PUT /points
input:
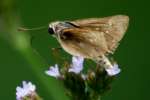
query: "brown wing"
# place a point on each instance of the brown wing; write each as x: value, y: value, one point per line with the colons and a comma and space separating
x: 83, y: 42
x: 113, y: 28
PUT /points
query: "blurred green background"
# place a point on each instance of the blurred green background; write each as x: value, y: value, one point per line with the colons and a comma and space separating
x: 23, y: 59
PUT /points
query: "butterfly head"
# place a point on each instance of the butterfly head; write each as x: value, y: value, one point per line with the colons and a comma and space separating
x: 53, y: 28
x: 56, y: 28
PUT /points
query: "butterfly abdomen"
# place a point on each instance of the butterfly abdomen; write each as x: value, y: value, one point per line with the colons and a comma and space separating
x: 103, y: 61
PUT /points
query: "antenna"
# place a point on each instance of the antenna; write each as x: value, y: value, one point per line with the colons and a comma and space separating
x: 31, y: 29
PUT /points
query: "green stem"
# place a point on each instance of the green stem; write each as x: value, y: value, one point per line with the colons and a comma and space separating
x: 20, y: 41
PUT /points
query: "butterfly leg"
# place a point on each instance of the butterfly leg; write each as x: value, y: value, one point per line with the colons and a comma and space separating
x: 58, y: 48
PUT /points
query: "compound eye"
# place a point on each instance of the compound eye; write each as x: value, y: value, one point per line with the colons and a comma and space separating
x: 50, y: 31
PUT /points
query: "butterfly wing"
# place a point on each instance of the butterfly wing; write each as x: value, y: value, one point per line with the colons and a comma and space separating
x: 83, y: 42
x: 113, y: 28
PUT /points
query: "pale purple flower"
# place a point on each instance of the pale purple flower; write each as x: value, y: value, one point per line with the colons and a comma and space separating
x: 26, y: 90
x: 53, y: 71
x: 113, y: 70
x: 77, y: 64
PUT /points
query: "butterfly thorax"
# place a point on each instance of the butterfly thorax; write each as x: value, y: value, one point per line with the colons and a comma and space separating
x: 59, y: 26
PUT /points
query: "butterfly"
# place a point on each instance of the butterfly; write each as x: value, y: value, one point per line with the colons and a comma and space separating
x: 91, y: 38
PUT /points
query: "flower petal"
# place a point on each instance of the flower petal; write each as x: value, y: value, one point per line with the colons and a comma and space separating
x: 25, y: 90
x: 77, y: 64
x: 114, y: 70
x: 53, y: 71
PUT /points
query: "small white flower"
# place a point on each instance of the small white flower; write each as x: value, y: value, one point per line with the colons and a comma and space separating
x: 113, y: 70
x: 77, y: 64
x: 53, y: 71
x: 26, y: 90
x: 84, y: 77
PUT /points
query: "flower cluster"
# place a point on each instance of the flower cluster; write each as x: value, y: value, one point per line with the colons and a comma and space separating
x: 77, y: 67
x: 85, y: 86
x: 26, y: 92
